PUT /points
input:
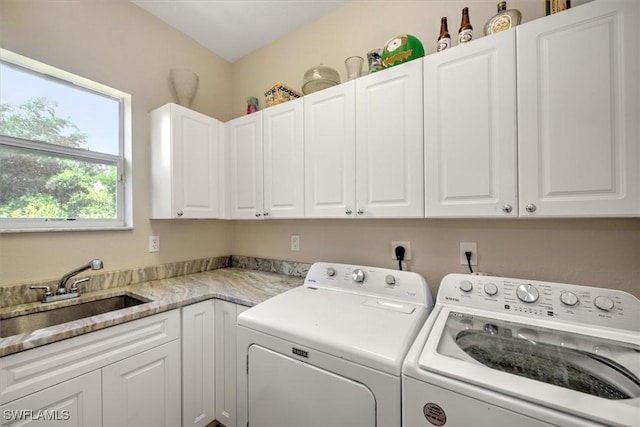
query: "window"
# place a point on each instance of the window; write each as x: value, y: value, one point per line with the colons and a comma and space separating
x: 64, y: 150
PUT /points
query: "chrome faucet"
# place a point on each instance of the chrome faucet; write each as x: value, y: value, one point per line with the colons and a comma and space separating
x: 73, y: 292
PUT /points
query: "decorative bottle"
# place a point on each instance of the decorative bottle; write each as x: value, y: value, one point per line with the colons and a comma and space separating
x: 503, y: 20
x: 444, y: 40
x: 465, y: 33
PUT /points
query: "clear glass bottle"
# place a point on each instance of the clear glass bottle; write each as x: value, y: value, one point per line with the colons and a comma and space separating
x: 444, y: 39
x: 465, y: 33
x: 503, y: 20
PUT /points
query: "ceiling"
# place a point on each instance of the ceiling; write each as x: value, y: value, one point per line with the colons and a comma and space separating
x: 234, y: 28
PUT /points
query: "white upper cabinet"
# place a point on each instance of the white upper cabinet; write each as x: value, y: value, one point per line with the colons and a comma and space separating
x: 244, y: 166
x: 266, y: 163
x: 283, y: 161
x: 389, y: 143
x: 470, y: 129
x: 578, y: 96
x: 185, y: 164
x: 330, y: 152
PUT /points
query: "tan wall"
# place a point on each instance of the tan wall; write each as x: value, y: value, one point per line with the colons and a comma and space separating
x: 354, y: 29
x: 598, y: 252
x: 118, y: 44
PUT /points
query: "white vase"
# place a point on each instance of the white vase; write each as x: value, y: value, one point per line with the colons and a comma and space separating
x: 185, y: 84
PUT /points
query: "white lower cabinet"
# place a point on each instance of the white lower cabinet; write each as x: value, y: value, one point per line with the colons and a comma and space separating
x: 198, y: 359
x: 125, y: 375
x: 76, y: 402
x: 225, y: 336
x: 143, y: 390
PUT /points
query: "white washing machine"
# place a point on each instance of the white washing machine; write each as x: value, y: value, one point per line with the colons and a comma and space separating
x: 512, y: 352
x: 330, y: 352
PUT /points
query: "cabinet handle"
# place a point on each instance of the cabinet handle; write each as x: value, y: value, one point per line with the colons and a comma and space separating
x: 507, y: 208
x: 360, y: 212
x: 531, y: 208
x: 258, y: 214
x: 348, y: 212
x: 180, y: 213
x: 265, y: 214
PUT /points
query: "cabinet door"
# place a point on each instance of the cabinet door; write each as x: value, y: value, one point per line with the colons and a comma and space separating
x: 76, y: 402
x: 330, y: 152
x: 245, y: 166
x: 578, y: 95
x: 144, y: 390
x: 389, y: 143
x: 225, y: 336
x: 470, y: 129
x: 198, y: 364
x: 185, y: 173
x: 283, y: 151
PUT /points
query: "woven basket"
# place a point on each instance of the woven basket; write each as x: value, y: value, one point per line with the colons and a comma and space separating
x: 280, y: 93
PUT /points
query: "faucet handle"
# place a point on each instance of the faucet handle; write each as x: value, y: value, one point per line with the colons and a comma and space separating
x: 74, y: 286
x: 47, y: 290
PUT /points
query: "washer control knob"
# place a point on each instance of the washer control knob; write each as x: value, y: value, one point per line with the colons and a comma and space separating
x: 466, y: 286
x: 604, y: 303
x: 358, y: 275
x: 390, y: 280
x: 331, y: 271
x: 527, y: 293
x: 490, y: 289
x: 569, y: 298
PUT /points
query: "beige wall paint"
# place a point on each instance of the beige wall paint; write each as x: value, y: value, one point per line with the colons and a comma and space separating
x: 596, y: 252
x: 118, y: 44
x: 354, y: 29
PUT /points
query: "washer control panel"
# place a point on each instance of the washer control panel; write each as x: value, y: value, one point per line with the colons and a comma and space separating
x: 381, y: 282
x: 530, y: 298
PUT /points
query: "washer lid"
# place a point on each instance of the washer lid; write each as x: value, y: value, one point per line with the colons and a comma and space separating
x: 371, y: 331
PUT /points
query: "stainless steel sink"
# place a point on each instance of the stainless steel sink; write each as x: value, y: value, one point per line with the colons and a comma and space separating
x: 30, y: 322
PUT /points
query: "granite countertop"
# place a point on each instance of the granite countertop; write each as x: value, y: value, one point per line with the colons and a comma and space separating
x: 242, y: 286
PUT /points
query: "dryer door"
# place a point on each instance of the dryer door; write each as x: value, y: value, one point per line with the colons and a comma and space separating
x: 284, y: 392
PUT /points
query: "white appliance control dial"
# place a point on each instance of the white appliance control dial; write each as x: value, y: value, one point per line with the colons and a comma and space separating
x: 490, y: 289
x: 357, y: 275
x: 466, y: 286
x: 527, y: 293
x: 604, y: 303
x: 390, y: 280
x: 331, y: 271
x: 569, y: 298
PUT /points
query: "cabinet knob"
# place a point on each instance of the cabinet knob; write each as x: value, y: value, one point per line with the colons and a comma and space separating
x: 258, y: 214
x: 265, y: 214
x: 360, y: 212
x: 180, y: 213
x: 531, y: 208
x: 507, y: 208
x: 348, y: 211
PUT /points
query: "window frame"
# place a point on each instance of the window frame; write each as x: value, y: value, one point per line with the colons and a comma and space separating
x: 122, y: 162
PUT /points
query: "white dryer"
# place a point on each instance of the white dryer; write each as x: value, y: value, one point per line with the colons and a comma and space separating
x: 511, y: 352
x: 330, y: 352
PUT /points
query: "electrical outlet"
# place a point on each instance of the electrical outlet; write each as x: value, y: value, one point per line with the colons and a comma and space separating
x: 154, y: 243
x: 295, y: 242
x: 469, y: 247
x: 405, y: 245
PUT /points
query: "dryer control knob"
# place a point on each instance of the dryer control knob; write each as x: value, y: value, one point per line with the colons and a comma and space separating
x: 527, y: 293
x: 466, y: 286
x: 390, y: 280
x: 358, y: 275
x: 569, y: 298
x: 604, y: 303
x: 331, y: 271
x: 490, y: 289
